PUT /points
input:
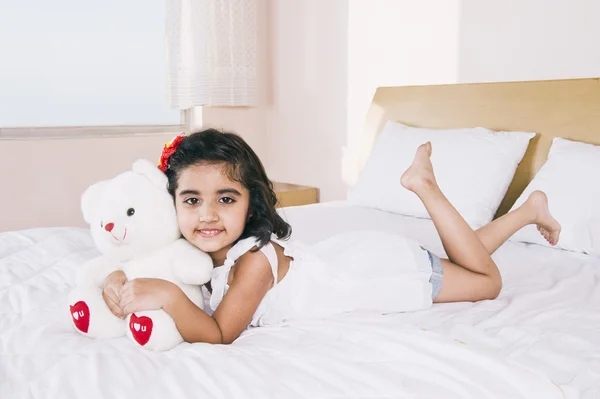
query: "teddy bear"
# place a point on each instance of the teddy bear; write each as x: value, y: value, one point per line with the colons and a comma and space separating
x: 134, y: 226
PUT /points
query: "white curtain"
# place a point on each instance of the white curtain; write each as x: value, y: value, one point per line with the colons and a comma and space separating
x: 211, y: 50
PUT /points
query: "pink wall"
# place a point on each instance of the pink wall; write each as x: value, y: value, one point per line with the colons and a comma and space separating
x: 306, y: 124
x: 42, y: 180
x: 248, y: 122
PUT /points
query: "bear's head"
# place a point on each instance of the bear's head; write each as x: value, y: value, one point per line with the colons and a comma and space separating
x: 131, y: 214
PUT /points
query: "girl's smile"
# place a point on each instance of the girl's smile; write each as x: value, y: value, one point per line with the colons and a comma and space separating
x: 209, y: 233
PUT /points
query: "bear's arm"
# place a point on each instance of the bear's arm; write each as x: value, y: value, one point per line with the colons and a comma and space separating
x: 190, y: 265
x: 94, y: 272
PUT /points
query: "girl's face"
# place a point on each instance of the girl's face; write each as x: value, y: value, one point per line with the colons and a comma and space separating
x: 211, y: 209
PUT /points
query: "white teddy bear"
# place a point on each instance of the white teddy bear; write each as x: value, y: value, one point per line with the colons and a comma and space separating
x: 133, y: 224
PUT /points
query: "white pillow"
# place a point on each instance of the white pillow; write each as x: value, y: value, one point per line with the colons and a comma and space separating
x: 570, y: 180
x: 473, y: 167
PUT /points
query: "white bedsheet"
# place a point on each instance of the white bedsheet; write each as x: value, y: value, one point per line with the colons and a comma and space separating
x: 539, y: 339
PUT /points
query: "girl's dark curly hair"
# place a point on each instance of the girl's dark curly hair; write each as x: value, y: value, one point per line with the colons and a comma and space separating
x: 241, y: 164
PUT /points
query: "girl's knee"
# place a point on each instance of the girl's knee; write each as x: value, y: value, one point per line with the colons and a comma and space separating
x: 494, y: 286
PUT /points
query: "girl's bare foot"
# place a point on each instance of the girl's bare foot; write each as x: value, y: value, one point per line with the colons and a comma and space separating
x: 546, y: 224
x: 419, y: 175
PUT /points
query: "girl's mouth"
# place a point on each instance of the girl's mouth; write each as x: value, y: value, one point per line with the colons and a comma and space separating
x: 209, y: 233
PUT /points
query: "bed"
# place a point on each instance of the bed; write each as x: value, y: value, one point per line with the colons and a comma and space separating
x: 539, y: 339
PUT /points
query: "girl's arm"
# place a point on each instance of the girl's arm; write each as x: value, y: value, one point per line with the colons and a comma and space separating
x: 193, y: 323
x: 251, y: 282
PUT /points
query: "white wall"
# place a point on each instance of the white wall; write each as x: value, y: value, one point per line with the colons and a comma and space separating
x: 395, y: 43
x: 528, y: 40
x: 403, y: 42
x: 328, y: 57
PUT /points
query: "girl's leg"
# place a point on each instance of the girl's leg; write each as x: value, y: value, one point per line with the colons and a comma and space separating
x: 533, y: 211
x: 470, y: 274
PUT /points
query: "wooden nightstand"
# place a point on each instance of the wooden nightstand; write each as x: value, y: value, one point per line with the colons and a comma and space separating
x: 294, y: 194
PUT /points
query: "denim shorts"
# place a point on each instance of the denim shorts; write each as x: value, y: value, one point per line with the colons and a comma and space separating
x: 437, y: 273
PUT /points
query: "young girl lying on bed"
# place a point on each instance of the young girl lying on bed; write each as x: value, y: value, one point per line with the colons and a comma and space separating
x: 226, y: 207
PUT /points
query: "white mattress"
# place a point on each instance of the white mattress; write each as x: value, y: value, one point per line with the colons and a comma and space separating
x: 539, y: 339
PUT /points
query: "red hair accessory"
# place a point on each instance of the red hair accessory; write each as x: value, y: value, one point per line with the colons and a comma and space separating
x: 167, y: 151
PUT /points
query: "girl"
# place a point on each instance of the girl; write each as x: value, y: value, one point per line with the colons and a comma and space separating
x: 226, y: 207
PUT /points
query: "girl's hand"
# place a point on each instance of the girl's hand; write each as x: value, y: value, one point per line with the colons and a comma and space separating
x: 110, y: 292
x: 147, y: 294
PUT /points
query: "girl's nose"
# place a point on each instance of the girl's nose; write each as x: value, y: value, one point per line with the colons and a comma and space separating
x: 208, y: 214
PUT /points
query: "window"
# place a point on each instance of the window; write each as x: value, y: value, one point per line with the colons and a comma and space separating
x: 83, y: 67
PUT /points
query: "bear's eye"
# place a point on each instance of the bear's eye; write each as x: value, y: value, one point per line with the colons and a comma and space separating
x: 130, y: 212
x: 101, y: 225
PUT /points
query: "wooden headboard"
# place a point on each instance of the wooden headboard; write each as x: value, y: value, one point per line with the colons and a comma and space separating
x: 552, y: 108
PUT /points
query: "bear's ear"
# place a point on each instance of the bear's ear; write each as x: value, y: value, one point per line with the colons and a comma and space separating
x: 90, y: 198
x: 152, y: 173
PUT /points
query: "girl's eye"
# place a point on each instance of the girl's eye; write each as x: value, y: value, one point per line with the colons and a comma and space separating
x: 227, y: 200
x: 191, y: 201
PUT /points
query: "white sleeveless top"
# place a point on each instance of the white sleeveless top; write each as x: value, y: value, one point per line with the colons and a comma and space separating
x: 371, y: 271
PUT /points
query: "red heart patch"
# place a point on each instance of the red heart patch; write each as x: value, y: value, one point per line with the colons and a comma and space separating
x: 141, y: 328
x: 80, y: 313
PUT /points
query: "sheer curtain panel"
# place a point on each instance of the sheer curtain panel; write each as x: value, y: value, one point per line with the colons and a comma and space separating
x: 211, y: 47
